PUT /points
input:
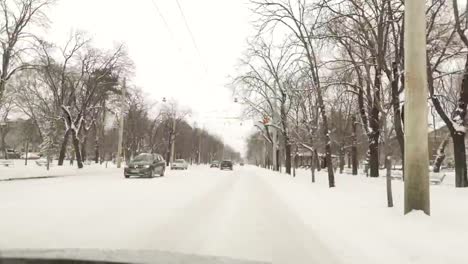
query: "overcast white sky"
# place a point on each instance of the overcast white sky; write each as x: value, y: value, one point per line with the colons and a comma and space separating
x: 167, y: 63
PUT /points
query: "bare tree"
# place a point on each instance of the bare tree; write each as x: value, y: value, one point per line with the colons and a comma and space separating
x: 16, y: 17
x: 78, y: 81
x: 173, y: 116
x: 301, y: 21
x: 7, y: 105
x: 268, y: 81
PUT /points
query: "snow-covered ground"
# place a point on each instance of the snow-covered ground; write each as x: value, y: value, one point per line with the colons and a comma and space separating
x: 353, y: 220
x: 250, y: 213
x: 19, y: 171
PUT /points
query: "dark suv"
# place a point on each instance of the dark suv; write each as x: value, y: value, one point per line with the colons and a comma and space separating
x: 147, y: 165
x: 225, y: 165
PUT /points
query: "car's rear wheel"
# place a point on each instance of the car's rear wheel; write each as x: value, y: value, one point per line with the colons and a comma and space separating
x: 127, y: 176
x: 162, y: 172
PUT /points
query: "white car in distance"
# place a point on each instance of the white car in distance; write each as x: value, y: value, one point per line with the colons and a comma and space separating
x: 179, y: 164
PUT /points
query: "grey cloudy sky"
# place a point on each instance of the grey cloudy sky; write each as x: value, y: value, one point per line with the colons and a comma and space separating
x: 167, y: 62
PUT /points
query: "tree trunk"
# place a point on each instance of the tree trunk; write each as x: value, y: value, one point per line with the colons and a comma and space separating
x: 355, y: 160
x: 354, y: 157
x: 440, y: 154
x: 63, y: 148
x: 317, y: 160
x: 4, y: 131
x: 388, y: 165
x: 168, y: 150
x: 83, y: 148
x: 342, y: 158
x: 4, y: 149
x: 458, y: 117
x: 312, y: 164
x: 96, y: 152
x: 288, y: 156
x: 374, y: 154
x: 76, y: 145
x: 26, y: 153
x: 349, y: 159
x: 96, y: 143
x: 295, y: 163
x: 374, y: 135
x: 331, y: 176
x: 278, y: 160
x: 460, y: 160
x: 397, y: 121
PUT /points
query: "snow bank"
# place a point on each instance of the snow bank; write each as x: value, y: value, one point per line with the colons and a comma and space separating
x: 32, y: 170
x: 353, y: 219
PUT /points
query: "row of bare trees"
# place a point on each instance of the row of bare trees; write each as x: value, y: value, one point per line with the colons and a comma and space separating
x: 320, y: 75
x: 163, y: 128
x: 72, y: 94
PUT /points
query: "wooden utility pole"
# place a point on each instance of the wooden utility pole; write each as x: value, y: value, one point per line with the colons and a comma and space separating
x: 416, y: 145
x: 121, y: 125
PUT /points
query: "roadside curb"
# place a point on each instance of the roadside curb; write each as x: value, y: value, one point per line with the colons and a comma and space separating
x: 32, y: 178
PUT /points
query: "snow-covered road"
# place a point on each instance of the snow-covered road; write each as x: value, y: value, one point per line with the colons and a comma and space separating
x: 201, y: 211
x: 248, y: 214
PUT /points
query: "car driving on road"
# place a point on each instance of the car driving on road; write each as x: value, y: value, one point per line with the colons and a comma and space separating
x: 146, y: 165
x: 226, y: 165
x: 179, y: 164
x: 214, y: 164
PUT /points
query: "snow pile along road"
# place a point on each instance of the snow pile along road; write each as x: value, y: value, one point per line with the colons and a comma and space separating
x: 354, y: 222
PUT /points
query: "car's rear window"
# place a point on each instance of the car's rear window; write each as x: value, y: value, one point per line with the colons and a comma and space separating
x: 226, y: 162
x: 143, y: 157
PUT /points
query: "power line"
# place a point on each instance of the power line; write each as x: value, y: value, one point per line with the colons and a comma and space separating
x: 166, y: 25
x: 190, y: 33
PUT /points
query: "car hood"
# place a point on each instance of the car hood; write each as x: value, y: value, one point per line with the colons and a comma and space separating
x: 112, y: 256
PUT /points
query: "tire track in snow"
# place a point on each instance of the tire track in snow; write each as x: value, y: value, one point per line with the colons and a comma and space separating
x: 185, y: 231
x: 294, y: 242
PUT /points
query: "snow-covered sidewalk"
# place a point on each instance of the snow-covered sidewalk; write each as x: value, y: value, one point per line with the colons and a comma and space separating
x: 19, y: 171
x: 353, y: 220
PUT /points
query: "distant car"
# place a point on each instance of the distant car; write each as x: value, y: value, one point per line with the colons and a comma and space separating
x: 146, y: 165
x: 226, y: 165
x: 179, y: 164
x: 214, y: 164
x: 31, y: 156
x: 242, y: 164
x: 43, y: 162
x: 12, y: 154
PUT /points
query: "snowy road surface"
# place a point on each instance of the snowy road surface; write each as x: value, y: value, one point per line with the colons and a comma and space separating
x: 200, y: 211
